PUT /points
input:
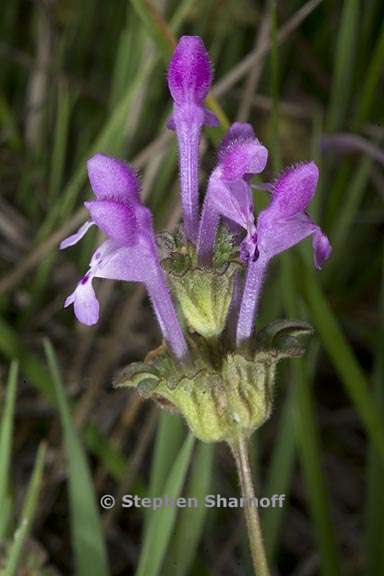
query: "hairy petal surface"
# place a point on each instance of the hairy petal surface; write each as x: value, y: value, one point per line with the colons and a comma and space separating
x: 294, y: 189
x: 112, y: 178
x: 189, y: 72
x: 115, y: 219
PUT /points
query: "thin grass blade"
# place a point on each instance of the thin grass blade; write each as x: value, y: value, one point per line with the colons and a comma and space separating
x: 6, y: 431
x: 27, y: 515
x: 343, y: 71
x: 343, y: 358
x: 162, y: 521
x: 190, y: 524
x: 86, y: 532
x: 374, y: 527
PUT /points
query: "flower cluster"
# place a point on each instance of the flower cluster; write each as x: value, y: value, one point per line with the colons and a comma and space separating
x: 219, y: 263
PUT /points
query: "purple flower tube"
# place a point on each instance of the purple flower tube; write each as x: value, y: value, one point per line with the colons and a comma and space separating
x: 189, y: 80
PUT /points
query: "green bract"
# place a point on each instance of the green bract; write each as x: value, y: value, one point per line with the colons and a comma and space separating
x: 222, y: 393
x: 204, y: 294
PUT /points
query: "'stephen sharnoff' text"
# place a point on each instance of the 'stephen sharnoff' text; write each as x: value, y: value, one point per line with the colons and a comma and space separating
x: 209, y: 501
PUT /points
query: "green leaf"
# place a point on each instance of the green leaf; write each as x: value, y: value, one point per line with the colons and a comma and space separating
x: 162, y: 521
x: 27, y: 515
x: 86, y: 532
x: 6, y: 431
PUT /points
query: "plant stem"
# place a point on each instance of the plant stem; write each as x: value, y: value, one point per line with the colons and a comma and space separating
x: 240, y: 451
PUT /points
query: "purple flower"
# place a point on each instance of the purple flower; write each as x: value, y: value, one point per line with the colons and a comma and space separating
x: 279, y: 227
x: 229, y: 193
x: 129, y: 253
x: 189, y: 81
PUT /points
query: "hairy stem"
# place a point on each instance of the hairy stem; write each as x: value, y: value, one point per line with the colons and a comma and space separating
x: 240, y: 451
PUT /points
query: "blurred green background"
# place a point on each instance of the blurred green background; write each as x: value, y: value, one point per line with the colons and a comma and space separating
x: 81, y: 77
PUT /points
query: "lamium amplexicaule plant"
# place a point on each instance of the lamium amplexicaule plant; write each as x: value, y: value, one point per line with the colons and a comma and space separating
x: 211, y: 367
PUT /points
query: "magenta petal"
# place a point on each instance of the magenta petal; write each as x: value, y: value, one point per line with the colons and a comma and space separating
x: 321, y: 248
x: 74, y: 238
x: 112, y: 178
x: 241, y: 153
x: 140, y: 264
x: 229, y: 193
x: 277, y: 235
x: 115, y: 219
x: 237, y: 131
x: 233, y: 202
x: 244, y: 158
x: 127, y: 263
x: 85, y: 302
x: 103, y: 253
x: 189, y: 72
x: 294, y: 189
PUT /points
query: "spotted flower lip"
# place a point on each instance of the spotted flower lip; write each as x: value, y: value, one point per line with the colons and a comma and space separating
x: 129, y: 253
x: 229, y: 194
x: 189, y: 81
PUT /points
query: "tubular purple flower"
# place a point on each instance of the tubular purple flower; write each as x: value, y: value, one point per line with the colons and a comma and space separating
x: 279, y: 227
x: 130, y: 251
x: 229, y: 194
x: 189, y: 81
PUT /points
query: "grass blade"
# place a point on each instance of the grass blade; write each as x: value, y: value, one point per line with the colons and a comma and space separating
x: 170, y: 435
x: 6, y: 446
x: 190, y: 524
x: 374, y: 550
x: 162, y: 521
x: 307, y: 437
x: 280, y: 473
x: 27, y: 514
x: 308, y: 440
x: 343, y: 358
x: 87, y: 539
x: 12, y: 347
x: 371, y: 80
x: 343, y: 71
x: 301, y: 406
x: 60, y: 144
